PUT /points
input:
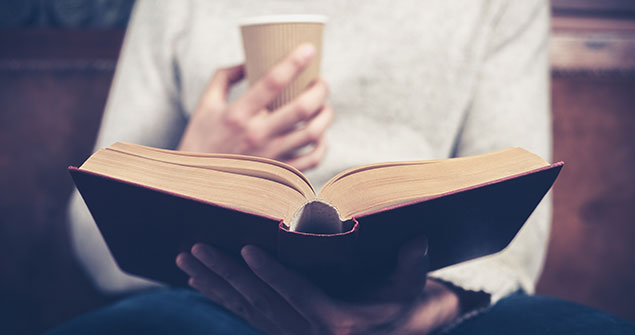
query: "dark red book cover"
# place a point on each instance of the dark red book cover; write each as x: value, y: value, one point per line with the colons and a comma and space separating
x: 145, y: 228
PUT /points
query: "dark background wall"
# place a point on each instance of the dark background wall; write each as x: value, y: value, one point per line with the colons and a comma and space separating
x: 57, y: 59
x: 91, y: 14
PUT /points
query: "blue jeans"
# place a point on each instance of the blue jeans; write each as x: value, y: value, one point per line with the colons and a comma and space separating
x: 182, y: 311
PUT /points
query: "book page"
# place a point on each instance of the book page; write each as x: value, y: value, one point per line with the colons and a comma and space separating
x: 373, y: 187
x: 247, y: 185
x: 239, y: 164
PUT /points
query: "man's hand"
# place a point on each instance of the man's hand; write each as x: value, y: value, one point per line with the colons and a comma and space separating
x: 246, y: 127
x: 275, y: 299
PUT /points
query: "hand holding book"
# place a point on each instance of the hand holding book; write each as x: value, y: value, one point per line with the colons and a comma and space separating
x: 245, y: 126
x: 275, y: 299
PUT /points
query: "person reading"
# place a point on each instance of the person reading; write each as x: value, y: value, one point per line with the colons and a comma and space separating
x: 402, y: 81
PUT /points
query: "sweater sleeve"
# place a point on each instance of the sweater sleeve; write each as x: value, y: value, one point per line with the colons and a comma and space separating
x: 510, y: 108
x: 143, y: 107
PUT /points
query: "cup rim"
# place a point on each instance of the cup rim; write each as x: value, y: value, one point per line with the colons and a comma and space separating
x: 273, y: 19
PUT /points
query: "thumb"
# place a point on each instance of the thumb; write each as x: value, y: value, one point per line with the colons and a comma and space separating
x: 413, y: 253
x: 222, y: 81
x: 412, y: 263
x: 409, y: 277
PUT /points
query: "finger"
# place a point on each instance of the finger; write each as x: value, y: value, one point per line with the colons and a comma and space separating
x: 311, y: 159
x: 270, y: 86
x: 209, y: 283
x: 219, y: 291
x: 410, y: 274
x: 305, y: 298
x: 260, y: 296
x: 413, y: 255
x: 409, y: 277
x: 312, y: 132
x: 303, y: 108
x: 239, y: 277
x: 221, y: 82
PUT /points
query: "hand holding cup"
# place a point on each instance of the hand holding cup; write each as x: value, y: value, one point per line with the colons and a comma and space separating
x: 247, y: 126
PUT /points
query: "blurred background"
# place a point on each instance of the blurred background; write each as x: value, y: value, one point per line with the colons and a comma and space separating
x: 57, y: 59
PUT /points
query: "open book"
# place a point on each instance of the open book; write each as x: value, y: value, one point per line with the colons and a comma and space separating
x: 152, y: 203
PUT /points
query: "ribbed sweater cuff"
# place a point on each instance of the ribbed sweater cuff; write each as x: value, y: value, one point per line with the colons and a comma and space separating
x: 474, y: 281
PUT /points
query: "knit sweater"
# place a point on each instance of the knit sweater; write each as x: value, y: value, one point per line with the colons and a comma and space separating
x: 409, y: 80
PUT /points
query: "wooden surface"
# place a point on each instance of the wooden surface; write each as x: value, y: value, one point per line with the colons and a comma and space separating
x: 591, y: 257
x: 593, y: 45
x: 613, y: 8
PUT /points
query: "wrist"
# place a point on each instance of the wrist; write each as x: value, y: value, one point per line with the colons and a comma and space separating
x: 468, y: 300
x: 437, y: 308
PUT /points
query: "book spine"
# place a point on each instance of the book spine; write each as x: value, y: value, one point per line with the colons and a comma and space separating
x: 327, y: 259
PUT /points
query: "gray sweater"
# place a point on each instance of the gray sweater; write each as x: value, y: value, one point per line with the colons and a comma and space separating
x: 410, y: 80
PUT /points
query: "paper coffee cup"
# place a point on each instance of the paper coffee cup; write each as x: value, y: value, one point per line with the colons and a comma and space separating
x: 269, y: 39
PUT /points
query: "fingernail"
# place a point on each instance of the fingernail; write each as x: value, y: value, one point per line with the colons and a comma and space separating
x: 196, y: 249
x: 252, y: 256
x: 427, y: 247
x: 421, y: 245
x: 307, y: 51
x: 179, y: 259
x: 200, y: 251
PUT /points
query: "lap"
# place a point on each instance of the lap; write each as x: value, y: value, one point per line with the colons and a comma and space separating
x: 183, y: 311
x: 527, y: 314
x: 161, y: 311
